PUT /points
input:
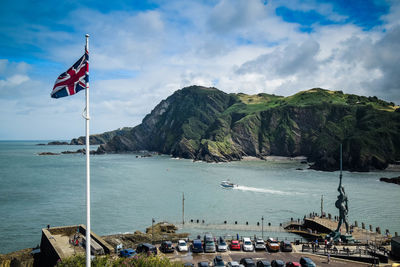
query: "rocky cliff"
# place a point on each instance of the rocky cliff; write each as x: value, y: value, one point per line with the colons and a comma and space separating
x: 207, y: 124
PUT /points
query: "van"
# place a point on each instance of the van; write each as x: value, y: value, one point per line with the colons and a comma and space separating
x: 197, y: 247
x: 209, y: 244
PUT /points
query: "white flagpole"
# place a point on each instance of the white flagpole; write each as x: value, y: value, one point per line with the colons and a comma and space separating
x: 88, y: 258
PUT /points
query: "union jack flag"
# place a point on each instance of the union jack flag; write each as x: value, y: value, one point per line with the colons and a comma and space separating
x: 73, y: 80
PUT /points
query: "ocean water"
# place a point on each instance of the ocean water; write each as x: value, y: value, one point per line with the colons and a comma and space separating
x: 128, y: 191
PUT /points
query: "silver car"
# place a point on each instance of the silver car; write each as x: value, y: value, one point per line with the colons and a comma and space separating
x: 260, y: 244
x: 222, y: 246
x: 233, y: 264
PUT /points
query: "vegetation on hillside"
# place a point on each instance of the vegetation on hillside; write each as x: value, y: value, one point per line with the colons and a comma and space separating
x: 208, y: 124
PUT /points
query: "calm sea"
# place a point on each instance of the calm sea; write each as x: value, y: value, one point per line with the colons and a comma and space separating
x: 127, y: 192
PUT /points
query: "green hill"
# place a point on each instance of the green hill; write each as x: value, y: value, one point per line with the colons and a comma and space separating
x: 207, y: 124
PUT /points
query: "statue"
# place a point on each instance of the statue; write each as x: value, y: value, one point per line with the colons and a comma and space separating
x: 341, y: 204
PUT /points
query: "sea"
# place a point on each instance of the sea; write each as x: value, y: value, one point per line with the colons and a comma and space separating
x: 128, y: 191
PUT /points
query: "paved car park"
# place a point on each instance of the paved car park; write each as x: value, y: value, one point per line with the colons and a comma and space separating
x: 258, y: 255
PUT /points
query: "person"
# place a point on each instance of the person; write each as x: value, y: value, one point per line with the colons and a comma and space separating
x: 329, y: 257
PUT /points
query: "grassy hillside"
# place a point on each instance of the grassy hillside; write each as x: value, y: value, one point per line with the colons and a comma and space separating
x: 208, y: 124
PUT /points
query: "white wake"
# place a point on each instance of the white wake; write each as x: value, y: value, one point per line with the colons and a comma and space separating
x: 260, y: 190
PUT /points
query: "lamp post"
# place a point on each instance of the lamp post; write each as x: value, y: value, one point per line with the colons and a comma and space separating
x: 152, y: 231
x: 262, y: 227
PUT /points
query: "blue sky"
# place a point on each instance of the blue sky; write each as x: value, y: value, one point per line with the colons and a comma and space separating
x: 143, y: 51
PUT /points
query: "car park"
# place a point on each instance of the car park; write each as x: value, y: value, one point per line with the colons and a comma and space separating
x: 277, y: 263
x: 233, y: 264
x: 263, y: 263
x: 222, y: 246
x: 259, y: 244
x: 286, y: 246
x: 209, y: 244
x: 306, y: 262
x: 247, y: 244
x: 235, y: 245
x: 166, y: 247
x: 218, y: 261
x: 293, y: 264
x: 127, y: 253
x: 247, y: 262
x: 203, y: 264
x: 182, y: 246
x: 197, y: 246
x: 146, y: 248
x: 272, y: 245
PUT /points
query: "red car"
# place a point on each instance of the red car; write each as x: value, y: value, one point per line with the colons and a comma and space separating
x: 235, y: 245
x: 293, y: 264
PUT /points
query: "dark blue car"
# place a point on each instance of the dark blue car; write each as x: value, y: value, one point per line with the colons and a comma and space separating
x: 306, y: 262
x: 127, y: 253
x: 197, y: 246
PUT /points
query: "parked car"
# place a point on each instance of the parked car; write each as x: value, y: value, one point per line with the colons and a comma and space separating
x: 188, y: 264
x: 272, y: 245
x: 293, y: 264
x: 146, y: 248
x: 166, y: 247
x: 127, y: 253
x: 259, y: 244
x: 222, y: 246
x: 233, y: 264
x: 197, y: 246
x: 182, y: 246
x: 306, y: 262
x: 277, y: 263
x: 209, y: 244
x: 218, y: 261
x: 247, y: 262
x: 235, y: 245
x: 247, y: 244
x: 286, y: 246
x: 263, y: 263
x: 203, y: 264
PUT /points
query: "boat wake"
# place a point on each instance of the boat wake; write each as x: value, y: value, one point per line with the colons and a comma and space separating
x: 260, y: 190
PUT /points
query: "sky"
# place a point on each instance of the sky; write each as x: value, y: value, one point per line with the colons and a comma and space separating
x: 143, y: 51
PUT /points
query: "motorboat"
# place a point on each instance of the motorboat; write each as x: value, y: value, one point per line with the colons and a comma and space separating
x: 228, y: 184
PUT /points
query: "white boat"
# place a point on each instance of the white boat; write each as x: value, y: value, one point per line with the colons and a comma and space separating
x: 228, y: 184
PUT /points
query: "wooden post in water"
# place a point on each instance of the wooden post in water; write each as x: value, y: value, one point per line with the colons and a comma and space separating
x: 183, y: 208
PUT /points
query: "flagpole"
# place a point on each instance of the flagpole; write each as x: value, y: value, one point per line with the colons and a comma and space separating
x: 88, y: 231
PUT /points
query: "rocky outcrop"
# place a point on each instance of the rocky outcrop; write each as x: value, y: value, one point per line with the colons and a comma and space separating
x: 207, y: 124
x: 98, y: 139
x: 394, y: 180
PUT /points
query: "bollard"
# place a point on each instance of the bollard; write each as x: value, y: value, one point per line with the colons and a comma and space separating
x: 291, y: 219
x: 202, y: 221
x: 370, y: 228
x: 235, y: 222
x: 280, y: 224
x: 258, y: 223
x: 191, y: 220
x: 247, y: 223
x: 329, y: 216
x: 378, y: 230
x: 356, y: 224
x: 363, y: 226
x: 269, y: 224
x: 197, y: 220
x: 395, y: 234
x: 224, y: 222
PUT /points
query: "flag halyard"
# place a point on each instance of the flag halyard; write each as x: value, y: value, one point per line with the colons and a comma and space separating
x: 74, y: 79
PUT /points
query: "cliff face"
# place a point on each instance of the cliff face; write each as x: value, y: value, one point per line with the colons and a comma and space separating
x: 207, y: 124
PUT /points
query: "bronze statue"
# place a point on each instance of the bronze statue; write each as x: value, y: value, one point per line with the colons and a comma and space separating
x: 341, y: 202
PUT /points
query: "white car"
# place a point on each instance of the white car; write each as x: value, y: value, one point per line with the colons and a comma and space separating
x: 260, y: 244
x: 182, y: 246
x: 247, y: 244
